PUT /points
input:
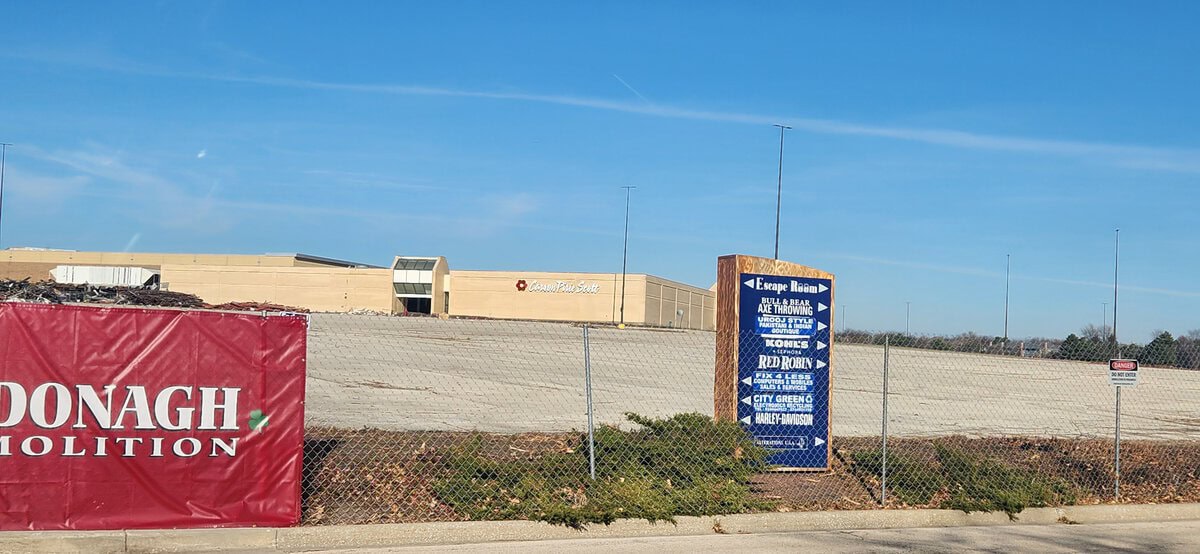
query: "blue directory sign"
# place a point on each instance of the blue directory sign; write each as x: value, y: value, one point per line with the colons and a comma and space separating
x: 783, y: 366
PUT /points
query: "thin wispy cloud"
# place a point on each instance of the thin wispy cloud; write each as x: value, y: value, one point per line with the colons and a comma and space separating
x: 1116, y: 155
x: 1123, y: 288
x: 233, y: 53
x: 154, y: 196
x: 33, y: 187
x: 336, y: 178
x: 978, y: 272
x: 201, y: 154
x: 917, y: 265
x: 169, y: 201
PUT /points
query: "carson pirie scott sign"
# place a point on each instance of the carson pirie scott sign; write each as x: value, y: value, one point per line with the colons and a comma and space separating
x: 775, y: 336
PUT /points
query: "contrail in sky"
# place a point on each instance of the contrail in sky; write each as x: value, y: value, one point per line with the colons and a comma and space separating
x: 1181, y: 160
x: 631, y: 89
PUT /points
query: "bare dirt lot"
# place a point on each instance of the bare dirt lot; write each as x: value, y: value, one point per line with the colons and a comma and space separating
x: 427, y: 374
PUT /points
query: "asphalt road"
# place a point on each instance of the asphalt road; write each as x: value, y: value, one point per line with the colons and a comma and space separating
x: 1179, y: 536
x: 507, y: 376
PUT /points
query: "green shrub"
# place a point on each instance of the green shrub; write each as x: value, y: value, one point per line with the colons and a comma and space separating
x: 985, y: 485
x: 687, y: 464
x: 969, y: 482
x: 911, y: 480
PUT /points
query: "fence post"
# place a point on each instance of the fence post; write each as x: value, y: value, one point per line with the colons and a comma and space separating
x: 587, y: 376
x: 1117, y: 426
x: 1117, y: 440
x: 883, y: 471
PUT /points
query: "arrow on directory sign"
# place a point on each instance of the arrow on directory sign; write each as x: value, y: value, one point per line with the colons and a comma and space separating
x: 821, y: 345
x: 746, y: 401
x: 821, y: 326
x: 821, y: 307
x: 821, y: 365
x: 746, y: 420
x: 818, y: 441
x: 748, y: 380
x: 821, y: 288
x: 749, y: 283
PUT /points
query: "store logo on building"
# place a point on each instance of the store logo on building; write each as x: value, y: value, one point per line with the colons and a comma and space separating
x: 560, y: 286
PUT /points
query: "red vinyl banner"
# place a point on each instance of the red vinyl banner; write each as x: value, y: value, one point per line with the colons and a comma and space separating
x: 130, y: 418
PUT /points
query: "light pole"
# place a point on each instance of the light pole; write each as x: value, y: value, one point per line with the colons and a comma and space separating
x: 907, y: 311
x: 1007, y: 273
x: 1117, y: 354
x: 3, y: 158
x: 779, y: 190
x: 1116, y: 265
x: 625, y: 251
x: 843, y: 318
x: 1104, y: 320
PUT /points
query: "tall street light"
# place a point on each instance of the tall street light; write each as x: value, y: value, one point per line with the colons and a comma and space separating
x: 1116, y: 265
x: 907, y: 310
x: 1104, y: 320
x: 779, y: 191
x: 3, y: 158
x: 1007, y: 272
x: 625, y: 251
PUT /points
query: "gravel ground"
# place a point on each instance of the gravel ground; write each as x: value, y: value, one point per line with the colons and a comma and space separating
x: 504, y: 376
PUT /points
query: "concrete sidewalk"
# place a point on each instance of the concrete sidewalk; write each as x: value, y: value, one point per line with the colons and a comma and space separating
x: 452, y: 533
x: 1176, y: 536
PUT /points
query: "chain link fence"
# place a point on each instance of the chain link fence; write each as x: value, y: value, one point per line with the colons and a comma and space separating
x: 423, y: 419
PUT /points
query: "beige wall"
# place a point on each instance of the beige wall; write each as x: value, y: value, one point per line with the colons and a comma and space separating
x: 321, y: 289
x: 441, y: 276
x: 33, y: 271
x: 219, y: 278
x: 495, y: 294
x: 649, y: 300
x: 665, y: 300
x: 68, y: 257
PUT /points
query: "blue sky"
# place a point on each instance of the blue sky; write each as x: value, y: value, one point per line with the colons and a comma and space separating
x: 930, y: 140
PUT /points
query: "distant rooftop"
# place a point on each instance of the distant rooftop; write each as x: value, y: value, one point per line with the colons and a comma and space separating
x: 298, y: 256
x: 323, y: 260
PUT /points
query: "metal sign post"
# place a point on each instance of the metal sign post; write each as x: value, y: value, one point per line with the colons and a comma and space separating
x: 1121, y: 373
x: 587, y: 376
x: 883, y: 469
x: 1117, y: 439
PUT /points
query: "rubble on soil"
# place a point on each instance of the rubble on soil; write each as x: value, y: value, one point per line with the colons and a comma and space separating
x: 50, y: 292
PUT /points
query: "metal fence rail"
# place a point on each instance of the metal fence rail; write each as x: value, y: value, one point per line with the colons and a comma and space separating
x: 423, y: 419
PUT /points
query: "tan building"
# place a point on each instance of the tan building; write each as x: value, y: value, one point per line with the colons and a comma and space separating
x: 648, y: 300
x: 410, y: 285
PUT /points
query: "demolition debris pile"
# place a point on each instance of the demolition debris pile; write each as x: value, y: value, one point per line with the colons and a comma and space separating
x: 49, y: 292
x: 255, y: 307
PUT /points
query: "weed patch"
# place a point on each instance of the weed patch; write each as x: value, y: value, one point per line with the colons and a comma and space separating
x: 683, y: 465
x: 911, y: 480
x: 980, y: 484
x: 963, y: 481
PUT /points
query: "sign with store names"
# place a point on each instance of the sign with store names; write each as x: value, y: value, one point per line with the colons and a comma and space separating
x: 783, y: 366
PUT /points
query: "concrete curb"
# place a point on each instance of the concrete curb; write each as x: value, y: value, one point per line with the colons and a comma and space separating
x: 426, y: 534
